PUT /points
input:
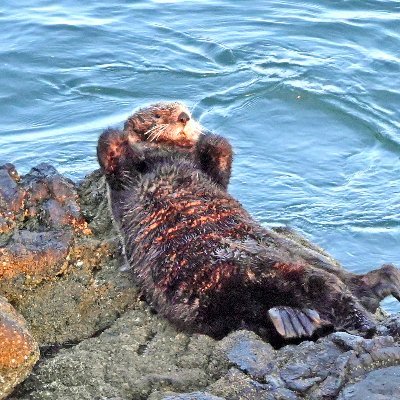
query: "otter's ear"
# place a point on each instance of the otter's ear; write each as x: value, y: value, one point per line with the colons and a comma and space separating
x: 116, y: 153
x: 214, y: 156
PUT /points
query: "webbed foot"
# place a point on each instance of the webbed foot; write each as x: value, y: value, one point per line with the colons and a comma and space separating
x: 374, y: 286
x: 293, y: 323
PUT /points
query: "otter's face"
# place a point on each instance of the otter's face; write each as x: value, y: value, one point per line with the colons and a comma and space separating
x: 169, y: 123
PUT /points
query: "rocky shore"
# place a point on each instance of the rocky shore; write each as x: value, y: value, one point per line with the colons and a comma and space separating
x: 60, y: 271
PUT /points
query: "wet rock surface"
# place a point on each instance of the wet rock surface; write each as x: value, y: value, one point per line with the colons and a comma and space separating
x: 60, y: 275
x: 139, y: 355
x: 18, y: 349
x: 60, y: 262
x: 309, y: 370
x: 142, y: 356
x: 380, y: 385
x: 193, y: 396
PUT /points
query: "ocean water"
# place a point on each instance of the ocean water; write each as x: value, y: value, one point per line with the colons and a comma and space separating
x: 308, y: 93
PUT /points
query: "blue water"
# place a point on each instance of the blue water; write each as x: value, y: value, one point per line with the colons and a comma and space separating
x: 307, y: 92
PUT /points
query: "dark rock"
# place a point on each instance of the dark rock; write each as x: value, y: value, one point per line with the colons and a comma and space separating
x: 43, y: 171
x: 246, y: 351
x: 62, y: 189
x: 51, y: 198
x: 316, y: 370
x: 11, y: 195
x: 38, y: 254
x: 347, y: 341
x: 391, y: 325
x: 368, y: 354
x: 73, y: 210
x: 82, y: 280
x: 18, y: 350
x: 382, y: 384
x: 299, y: 377
x: 6, y: 225
x: 38, y: 191
x: 10, y: 168
x: 140, y: 354
x: 54, y: 213
x: 93, y: 200
x: 48, y: 252
x: 236, y: 385
x: 193, y: 396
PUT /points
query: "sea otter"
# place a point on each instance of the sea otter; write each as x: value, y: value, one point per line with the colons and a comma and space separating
x: 203, y: 262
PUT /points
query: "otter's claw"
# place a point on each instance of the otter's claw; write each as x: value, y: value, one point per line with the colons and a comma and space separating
x: 293, y: 323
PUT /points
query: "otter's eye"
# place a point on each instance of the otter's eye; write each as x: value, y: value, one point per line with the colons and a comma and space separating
x: 157, y: 116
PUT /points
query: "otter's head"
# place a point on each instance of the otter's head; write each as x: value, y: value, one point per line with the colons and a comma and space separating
x: 169, y: 123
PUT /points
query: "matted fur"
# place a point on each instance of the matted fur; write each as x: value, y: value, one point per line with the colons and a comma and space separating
x: 203, y: 262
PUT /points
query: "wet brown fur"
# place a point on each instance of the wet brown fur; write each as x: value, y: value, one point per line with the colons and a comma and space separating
x: 203, y: 262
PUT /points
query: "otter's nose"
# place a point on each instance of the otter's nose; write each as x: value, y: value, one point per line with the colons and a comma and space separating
x: 183, y: 117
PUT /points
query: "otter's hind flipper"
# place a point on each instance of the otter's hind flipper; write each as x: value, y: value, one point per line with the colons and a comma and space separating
x: 293, y: 323
x: 117, y: 155
x: 372, y: 287
x: 214, y: 155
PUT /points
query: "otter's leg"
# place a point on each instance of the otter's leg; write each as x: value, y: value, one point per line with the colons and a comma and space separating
x: 293, y: 323
x: 373, y: 287
x: 214, y: 156
x: 303, y: 286
x: 334, y: 301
